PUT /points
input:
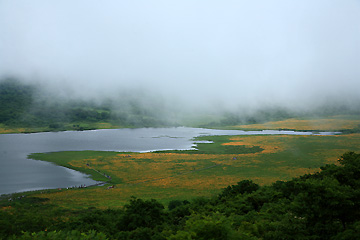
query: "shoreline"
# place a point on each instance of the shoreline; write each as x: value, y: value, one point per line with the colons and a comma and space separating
x: 263, y: 132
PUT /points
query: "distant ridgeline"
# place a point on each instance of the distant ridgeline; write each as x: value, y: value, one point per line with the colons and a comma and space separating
x: 24, y: 105
x: 27, y: 105
x: 277, y: 113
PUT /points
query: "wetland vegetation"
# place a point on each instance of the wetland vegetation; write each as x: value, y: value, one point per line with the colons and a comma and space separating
x: 154, y: 74
x: 293, y: 209
x: 232, y: 187
x: 169, y: 175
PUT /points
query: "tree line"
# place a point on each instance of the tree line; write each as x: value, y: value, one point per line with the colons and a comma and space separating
x: 29, y: 106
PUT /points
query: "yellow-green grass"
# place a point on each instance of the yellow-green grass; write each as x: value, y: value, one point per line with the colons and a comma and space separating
x: 166, y: 176
x: 334, y: 123
x: 5, y: 129
x: 97, y: 125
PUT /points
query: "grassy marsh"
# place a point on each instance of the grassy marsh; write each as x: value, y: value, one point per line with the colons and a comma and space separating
x: 333, y: 123
x: 169, y: 175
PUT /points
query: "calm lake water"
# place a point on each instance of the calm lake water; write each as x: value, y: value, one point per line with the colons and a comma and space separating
x: 18, y: 174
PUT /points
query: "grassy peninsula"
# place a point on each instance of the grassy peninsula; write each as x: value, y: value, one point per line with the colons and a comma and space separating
x: 237, y: 187
x: 169, y: 175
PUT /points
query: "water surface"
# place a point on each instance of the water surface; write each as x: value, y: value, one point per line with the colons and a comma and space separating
x: 18, y: 174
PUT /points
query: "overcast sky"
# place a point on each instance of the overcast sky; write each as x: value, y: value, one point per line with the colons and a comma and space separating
x: 234, y: 52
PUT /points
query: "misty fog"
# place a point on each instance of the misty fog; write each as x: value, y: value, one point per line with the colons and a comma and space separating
x: 205, y: 54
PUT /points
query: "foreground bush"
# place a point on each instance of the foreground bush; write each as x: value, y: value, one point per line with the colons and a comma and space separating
x: 324, y: 205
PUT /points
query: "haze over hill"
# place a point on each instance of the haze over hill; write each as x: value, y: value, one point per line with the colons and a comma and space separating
x: 223, y: 56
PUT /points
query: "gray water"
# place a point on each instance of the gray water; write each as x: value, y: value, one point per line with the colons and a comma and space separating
x: 19, y: 174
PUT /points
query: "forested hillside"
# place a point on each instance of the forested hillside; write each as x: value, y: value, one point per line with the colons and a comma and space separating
x: 15, y: 100
x: 324, y: 205
x: 31, y: 108
x: 28, y: 106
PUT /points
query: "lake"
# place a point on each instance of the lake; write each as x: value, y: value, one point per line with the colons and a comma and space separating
x: 19, y: 174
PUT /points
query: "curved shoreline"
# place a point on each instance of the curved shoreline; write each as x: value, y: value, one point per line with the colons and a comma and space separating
x: 197, y: 132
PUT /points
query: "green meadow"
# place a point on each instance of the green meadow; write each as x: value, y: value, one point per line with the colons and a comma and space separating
x: 169, y: 175
x: 236, y: 187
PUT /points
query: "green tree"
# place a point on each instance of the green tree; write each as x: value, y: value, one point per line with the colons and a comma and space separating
x: 60, y: 235
x: 323, y: 205
x: 245, y: 186
x: 140, y: 213
x: 209, y: 227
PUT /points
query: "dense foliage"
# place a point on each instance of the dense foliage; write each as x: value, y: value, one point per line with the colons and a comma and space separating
x: 15, y: 99
x: 29, y: 106
x: 324, y: 205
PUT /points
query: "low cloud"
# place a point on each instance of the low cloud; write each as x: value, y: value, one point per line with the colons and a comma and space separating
x: 193, y: 54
